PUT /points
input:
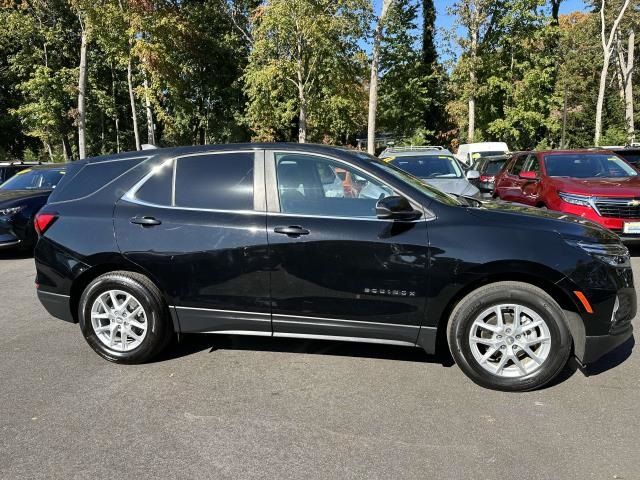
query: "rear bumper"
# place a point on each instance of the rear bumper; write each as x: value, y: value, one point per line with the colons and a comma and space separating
x: 57, y: 305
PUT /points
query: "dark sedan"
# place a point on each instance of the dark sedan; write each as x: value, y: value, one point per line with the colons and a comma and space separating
x: 20, y: 199
x: 488, y: 167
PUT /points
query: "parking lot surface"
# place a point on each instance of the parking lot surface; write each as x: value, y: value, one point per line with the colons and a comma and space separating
x: 239, y: 407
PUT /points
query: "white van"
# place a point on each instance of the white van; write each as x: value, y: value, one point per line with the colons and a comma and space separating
x: 469, y: 152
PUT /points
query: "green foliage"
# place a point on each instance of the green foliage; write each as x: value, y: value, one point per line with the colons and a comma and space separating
x: 306, y: 54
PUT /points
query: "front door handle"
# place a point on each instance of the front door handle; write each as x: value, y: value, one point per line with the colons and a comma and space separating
x: 292, y: 231
x: 145, y: 221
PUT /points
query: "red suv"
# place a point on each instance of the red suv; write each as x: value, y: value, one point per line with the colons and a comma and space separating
x: 594, y: 184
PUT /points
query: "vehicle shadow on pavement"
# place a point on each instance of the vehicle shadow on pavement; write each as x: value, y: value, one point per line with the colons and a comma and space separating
x: 634, y: 250
x: 15, y: 254
x: 190, y: 344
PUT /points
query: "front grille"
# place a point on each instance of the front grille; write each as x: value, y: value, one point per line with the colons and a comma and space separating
x: 618, y: 207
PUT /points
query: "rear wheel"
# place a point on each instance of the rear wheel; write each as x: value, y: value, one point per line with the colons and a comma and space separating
x: 123, y: 317
x: 509, y: 336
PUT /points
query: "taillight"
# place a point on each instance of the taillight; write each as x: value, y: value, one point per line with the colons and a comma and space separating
x: 487, y: 178
x: 43, y: 221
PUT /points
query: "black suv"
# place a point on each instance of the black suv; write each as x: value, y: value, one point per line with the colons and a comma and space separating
x: 266, y: 239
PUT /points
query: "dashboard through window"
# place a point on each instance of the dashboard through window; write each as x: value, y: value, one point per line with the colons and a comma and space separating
x: 314, y: 185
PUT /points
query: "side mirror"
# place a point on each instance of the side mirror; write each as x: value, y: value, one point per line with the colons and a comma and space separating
x: 473, y: 175
x: 396, y: 208
x: 528, y: 176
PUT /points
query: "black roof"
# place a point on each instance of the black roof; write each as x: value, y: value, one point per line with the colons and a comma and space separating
x: 175, y: 151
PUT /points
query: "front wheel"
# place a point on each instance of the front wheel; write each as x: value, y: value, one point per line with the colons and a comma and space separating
x: 123, y: 317
x: 509, y: 336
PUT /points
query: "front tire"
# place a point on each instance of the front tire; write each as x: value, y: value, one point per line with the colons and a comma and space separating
x: 124, y: 318
x: 509, y: 336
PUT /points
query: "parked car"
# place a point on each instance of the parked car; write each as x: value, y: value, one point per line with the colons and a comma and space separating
x: 469, y: 152
x: 435, y: 166
x: 243, y: 239
x: 630, y: 153
x: 593, y: 184
x: 20, y: 199
x: 9, y: 169
x: 488, y: 168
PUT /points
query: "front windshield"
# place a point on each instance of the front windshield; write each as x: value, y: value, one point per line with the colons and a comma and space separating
x: 490, y: 153
x: 428, y: 166
x: 403, y: 176
x: 588, y: 165
x: 632, y: 158
x: 494, y: 167
x: 38, y: 179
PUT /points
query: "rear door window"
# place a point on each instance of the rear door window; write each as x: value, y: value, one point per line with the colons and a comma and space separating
x: 222, y: 181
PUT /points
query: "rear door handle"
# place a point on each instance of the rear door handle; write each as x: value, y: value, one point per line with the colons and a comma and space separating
x: 292, y: 231
x: 145, y: 221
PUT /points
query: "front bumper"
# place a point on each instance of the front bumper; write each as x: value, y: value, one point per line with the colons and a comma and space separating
x: 598, y: 346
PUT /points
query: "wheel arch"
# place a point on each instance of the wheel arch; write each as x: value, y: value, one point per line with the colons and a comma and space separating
x: 87, y: 276
x: 561, y: 296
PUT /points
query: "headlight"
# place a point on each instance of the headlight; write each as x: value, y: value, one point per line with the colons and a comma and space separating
x: 573, y: 199
x: 614, y: 254
x: 7, y: 212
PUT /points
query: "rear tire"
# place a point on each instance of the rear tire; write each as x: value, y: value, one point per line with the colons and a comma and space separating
x: 509, y: 336
x: 123, y: 317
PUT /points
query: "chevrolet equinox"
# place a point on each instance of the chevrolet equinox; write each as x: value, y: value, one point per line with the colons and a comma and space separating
x: 264, y: 239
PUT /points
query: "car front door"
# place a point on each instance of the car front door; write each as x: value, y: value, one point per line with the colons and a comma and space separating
x: 338, y: 270
x: 530, y: 187
x: 197, y: 226
x: 510, y: 188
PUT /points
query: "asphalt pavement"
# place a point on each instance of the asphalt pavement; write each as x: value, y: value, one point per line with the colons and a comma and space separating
x: 226, y: 407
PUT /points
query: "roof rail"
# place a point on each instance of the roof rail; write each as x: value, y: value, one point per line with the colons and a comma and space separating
x: 412, y: 148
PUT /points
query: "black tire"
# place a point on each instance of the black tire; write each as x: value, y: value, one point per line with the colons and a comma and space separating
x: 471, y: 306
x: 159, y: 330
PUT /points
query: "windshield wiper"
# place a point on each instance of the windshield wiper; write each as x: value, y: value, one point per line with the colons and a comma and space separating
x: 469, y: 199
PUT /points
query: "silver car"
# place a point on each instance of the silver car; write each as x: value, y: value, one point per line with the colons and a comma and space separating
x: 435, y: 166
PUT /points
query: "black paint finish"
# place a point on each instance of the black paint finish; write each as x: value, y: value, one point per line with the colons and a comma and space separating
x: 267, y: 272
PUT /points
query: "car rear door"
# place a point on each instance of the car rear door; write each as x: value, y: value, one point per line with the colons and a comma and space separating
x: 197, y: 226
x: 338, y: 270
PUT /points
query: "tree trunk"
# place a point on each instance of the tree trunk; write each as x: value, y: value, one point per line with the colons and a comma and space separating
x: 116, y: 119
x: 600, y: 103
x: 626, y: 73
x: 132, y: 99
x: 66, y: 148
x: 151, y: 136
x: 607, y: 49
x: 472, y: 81
x: 82, y: 86
x: 373, y: 83
x: 302, y: 117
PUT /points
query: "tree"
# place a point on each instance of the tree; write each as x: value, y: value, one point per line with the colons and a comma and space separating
x: 373, y: 82
x: 297, y: 45
x: 607, y: 51
x: 625, y: 63
x: 478, y: 18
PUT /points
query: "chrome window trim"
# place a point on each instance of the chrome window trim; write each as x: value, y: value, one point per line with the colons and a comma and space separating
x: 130, y: 195
x: 428, y: 215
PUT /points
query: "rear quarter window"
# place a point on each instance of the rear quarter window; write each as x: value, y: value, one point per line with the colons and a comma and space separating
x: 84, y: 179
